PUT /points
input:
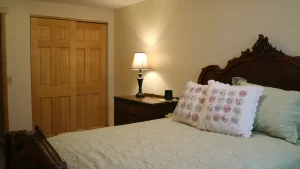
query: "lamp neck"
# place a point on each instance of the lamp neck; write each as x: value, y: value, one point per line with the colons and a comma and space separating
x: 140, y: 82
x: 140, y: 73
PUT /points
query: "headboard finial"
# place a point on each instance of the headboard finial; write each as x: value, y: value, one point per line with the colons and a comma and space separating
x: 262, y: 46
x: 262, y: 49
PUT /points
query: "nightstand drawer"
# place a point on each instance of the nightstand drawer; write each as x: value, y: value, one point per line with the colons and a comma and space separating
x: 134, y: 109
x: 122, y: 118
x: 129, y: 109
x: 134, y: 119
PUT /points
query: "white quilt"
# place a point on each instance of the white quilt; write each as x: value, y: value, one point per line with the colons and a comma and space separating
x: 163, y: 144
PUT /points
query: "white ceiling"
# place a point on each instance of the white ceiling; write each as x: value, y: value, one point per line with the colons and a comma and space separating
x: 97, y: 3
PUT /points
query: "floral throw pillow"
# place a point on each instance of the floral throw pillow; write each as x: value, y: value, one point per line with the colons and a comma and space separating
x: 191, y: 105
x: 231, y: 109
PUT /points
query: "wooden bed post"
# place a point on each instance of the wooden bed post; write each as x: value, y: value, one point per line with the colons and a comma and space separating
x: 31, y: 150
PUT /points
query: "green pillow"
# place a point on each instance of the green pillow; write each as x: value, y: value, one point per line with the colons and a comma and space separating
x: 278, y: 114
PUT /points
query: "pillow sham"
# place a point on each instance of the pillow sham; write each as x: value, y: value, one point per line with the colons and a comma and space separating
x: 191, y: 104
x: 230, y: 109
x: 278, y: 113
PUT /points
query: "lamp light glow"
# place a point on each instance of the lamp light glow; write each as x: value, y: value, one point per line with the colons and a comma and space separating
x: 140, y: 61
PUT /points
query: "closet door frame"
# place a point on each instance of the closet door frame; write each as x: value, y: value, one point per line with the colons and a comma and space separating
x: 69, y: 19
x: 87, y: 21
x: 3, y: 12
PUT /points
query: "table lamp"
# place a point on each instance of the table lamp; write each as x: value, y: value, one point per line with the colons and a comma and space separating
x: 140, y: 63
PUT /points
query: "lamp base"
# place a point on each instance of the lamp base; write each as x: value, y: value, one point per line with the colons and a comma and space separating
x: 140, y: 94
x: 140, y: 82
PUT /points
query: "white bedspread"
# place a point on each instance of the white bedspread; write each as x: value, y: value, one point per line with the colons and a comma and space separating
x: 163, y: 144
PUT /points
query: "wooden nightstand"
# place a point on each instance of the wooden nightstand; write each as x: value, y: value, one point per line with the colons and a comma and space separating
x: 129, y: 109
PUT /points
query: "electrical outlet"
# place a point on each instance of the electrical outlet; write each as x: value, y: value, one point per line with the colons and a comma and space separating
x: 9, y: 79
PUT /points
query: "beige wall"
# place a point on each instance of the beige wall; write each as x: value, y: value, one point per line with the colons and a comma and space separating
x: 18, y: 51
x: 183, y: 36
x: 179, y: 36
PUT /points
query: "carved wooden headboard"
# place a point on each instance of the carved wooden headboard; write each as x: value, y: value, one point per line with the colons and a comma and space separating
x: 264, y: 65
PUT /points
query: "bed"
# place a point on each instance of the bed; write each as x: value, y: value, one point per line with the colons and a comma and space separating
x: 163, y: 144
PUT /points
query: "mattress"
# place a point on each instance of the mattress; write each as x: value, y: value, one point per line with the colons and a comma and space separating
x: 163, y: 144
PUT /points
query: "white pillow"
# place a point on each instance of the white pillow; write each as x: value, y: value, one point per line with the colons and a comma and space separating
x: 191, y: 104
x: 230, y: 109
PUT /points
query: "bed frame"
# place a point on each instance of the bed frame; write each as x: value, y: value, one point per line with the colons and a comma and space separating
x: 264, y: 65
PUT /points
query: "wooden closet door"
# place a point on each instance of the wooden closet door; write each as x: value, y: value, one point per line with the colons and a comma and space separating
x: 68, y: 65
x: 91, y: 60
x: 53, y: 80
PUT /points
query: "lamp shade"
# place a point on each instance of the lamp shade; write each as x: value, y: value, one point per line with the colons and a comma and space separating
x: 140, y: 61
